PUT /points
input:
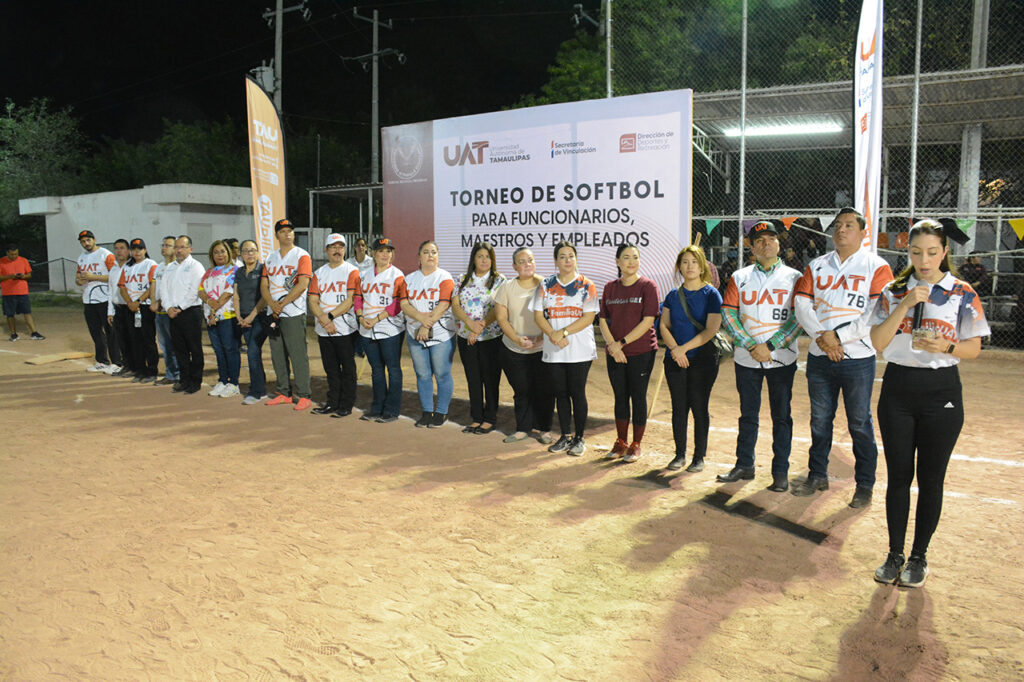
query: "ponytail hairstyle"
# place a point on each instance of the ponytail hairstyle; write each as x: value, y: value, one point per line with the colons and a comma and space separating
x: 925, y: 227
x: 471, y: 269
x: 698, y: 253
x: 618, y: 253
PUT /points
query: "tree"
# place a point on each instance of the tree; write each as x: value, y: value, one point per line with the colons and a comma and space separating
x: 577, y: 74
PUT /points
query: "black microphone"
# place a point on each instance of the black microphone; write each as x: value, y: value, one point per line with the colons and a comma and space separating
x: 918, y: 314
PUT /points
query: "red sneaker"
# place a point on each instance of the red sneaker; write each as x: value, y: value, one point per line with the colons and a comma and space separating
x: 303, y: 404
x: 618, y: 450
x: 279, y: 399
x: 633, y: 453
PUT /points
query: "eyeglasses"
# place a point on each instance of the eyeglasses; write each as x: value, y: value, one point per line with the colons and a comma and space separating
x: 249, y: 251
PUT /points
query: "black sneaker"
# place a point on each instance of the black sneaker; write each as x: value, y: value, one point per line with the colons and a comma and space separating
x: 561, y: 445
x: 341, y: 413
x: 387, y: 418
x: 577, y: 446
x: 425, y: 420
x: 178, y: 387
x: 697, y: 465
x: 438, y: 420
x: 36, y: 336
x: 915, y: 572
x: 324, y: 409
x: 369, y: 416
x: 861, y: 497
x: 13, y: 337
x: 889, y: 572
x: 677, y: 463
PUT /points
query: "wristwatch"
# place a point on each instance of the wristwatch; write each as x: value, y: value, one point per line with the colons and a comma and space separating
x: 771, y: 346
x: 330, y: 316
x: 950, y: 348
x: 565, y: 333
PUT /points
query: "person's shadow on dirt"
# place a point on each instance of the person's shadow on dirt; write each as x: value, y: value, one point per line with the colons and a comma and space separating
x: 752, y: 551
x: 890, y: 644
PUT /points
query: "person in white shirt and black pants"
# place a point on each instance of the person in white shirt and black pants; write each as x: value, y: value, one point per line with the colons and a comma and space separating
x: 186, y: 312
x: 926, y: 322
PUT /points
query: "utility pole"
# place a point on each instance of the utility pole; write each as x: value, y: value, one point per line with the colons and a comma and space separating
x: 374, y: 57
x: 274, y: 18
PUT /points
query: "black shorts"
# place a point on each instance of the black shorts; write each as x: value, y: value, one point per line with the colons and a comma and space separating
x: 17, y: 305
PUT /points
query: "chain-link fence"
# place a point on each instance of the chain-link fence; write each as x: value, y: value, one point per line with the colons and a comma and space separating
x: 799, y: 56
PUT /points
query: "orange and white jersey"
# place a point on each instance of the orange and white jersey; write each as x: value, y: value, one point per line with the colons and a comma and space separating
x: 282, y: 272
x: 217, y: 281
x: 840, y: 296
x: 426, y: 292
x: 97, y: 262
x: 382, y: 291
x: 113, y: 279
x: 136, y: 278
x: 953, y: 312
x: 764, y: 301
x: 334, y: 286
x: 563, y: 304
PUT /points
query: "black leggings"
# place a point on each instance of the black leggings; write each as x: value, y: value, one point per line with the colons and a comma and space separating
x: 629, y: 385
x: 919, y: 409
x: 690, y: 388
x: 569, y: 379
x: 482, y: 363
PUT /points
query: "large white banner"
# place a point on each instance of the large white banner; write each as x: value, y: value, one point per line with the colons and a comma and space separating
x: 596, y: 174
x: 867, y: 116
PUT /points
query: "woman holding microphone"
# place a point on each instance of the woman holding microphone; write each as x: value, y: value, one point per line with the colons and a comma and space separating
x: 926, y: 321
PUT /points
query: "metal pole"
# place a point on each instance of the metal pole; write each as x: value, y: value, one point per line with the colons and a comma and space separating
x: 743, y: 128
x: 995, y: 249
x: 914, y: 113
x: 311, y: 223
x: 608, y: 48
x: 278, y: 39
x: 375, y: 114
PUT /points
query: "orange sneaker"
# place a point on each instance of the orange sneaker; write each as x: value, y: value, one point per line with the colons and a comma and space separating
x: 618, y: 450
x: 633, y: 453
x: 279, y: 399
x: 303, y: 404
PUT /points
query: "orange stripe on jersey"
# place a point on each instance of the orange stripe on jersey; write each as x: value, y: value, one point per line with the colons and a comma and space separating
x: 353, y: 280
x: 732, y: 295
x: 447, y: 287
x: 805, y: 285
x: 883, y: 275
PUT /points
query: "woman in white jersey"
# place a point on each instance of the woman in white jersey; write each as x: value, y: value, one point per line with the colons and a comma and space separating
x: 215, y: 291
x: 382, y: 326
x: 925, y: 323
x: 430, y: 328
x: 564, y: 308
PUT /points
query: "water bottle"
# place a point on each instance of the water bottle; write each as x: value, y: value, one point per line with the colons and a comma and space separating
x: 138, y: 319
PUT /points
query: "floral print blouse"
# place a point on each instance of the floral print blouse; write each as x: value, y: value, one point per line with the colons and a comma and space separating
x: 477, y: 301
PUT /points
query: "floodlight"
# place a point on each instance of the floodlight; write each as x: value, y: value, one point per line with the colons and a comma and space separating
x: 771, y: 130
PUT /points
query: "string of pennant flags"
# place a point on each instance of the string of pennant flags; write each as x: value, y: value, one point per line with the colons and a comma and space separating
x: 964, y: 225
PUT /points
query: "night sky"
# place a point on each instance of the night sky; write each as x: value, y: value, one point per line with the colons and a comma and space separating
x: 124, y: 66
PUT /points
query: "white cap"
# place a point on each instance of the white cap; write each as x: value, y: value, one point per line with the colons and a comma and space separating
x: 334, y: 238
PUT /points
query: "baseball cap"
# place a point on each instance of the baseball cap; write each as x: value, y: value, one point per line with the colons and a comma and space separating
x: 137, y: 243
x: 334, y: 238
x: 382, y: 243
x: 763, y: 227
x: 86, y: 233
x: 282, y: 224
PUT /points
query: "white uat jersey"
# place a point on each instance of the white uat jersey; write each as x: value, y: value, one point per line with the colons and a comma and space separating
x: 764, y: 302
x: 426, y: 292
x: 382, y: 291
x: 840, y: 296
x: 136, y: 278
x: 282, y: 272
x: 334, y: 286
x: 97, y: 262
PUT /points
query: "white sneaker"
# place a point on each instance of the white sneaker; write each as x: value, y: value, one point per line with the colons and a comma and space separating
x: 252, y: 400
x: 111, y: 369
x: 98, y: 367
x: 216, y: 390
x: 230, y: 391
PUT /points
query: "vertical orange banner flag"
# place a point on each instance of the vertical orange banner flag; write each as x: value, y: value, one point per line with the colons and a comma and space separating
x: 266, y: 165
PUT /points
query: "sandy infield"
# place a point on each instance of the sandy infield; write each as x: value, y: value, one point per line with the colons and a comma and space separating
x: 147, y: 535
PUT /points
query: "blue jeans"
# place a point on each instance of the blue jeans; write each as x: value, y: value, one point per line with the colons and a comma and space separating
x: 225, y: 347
x: 254, y: 337
x: 385, y: 356
x: 163, y: 335
x: 855, y: 378
x: 432, y: 362
x: 780, y: 395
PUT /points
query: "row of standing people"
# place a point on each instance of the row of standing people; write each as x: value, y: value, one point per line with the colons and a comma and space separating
x: 540, y: 331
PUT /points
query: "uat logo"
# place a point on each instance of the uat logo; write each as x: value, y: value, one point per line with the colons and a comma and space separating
x: 265, y: 131
x: 461, y: 154
x: 627, y: 143
x: 266, y: 216
x: 865, y: 55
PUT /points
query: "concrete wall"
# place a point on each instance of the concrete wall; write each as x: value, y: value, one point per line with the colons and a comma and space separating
x: 204, y: 212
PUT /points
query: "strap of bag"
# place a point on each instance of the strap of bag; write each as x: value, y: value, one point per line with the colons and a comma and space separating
x: 686, y: 309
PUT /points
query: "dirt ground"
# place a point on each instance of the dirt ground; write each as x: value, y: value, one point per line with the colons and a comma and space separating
x: 146, y: 535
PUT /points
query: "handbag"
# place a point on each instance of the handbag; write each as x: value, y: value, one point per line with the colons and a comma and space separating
x: 721, y: 343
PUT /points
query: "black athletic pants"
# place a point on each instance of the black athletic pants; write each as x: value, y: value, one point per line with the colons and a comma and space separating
x: 102, y: 334
x: 482, y: 363
x: 534, y: 403
x: 123, y: 321
x: 629, y: 385
x: 569, y: 379
x: 920, y: 410
x: 338, y: 355
x: 690, y: 388
x: 187, y: 339
x: 143, y: 341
